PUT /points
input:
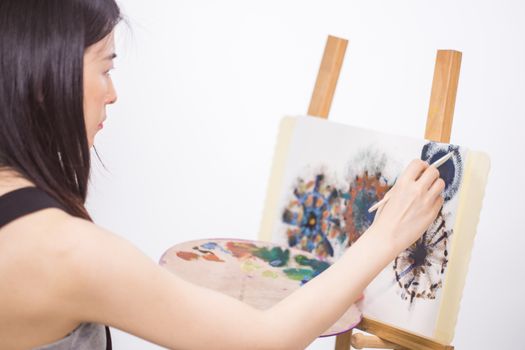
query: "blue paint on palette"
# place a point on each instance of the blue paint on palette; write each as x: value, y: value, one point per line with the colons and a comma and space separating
x: 212, y: 246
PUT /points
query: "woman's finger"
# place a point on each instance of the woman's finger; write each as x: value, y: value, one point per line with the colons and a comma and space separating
x: 437, y: 187
x: 428, y: 177
x: 414, y: 169
x: 436, y: 207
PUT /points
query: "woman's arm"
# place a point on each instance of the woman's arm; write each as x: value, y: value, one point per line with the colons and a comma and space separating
x: 107, y: 280
x: 112, y: 282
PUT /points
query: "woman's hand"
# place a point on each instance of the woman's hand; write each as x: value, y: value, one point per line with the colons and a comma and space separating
x: 413, y: 204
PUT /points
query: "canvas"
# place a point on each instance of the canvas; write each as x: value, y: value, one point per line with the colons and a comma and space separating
x: 327, y: 175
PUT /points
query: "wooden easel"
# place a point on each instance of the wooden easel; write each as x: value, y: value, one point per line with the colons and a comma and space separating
x: 438, y: 128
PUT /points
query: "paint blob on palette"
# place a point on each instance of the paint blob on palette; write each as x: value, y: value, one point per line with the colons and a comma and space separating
x: 327, y: 175
x: 258, y: 273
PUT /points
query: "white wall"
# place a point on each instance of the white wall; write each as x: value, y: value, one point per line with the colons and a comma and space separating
x: 203, y: 84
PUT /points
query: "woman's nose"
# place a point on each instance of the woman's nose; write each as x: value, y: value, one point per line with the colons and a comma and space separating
x: 112, y: 95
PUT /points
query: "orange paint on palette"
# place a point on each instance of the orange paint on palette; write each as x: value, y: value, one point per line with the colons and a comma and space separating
x: 240, y: 249
x: 187, y: 256
x: 212, y: 257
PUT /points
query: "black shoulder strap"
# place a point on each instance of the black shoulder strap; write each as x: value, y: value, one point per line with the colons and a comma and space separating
x: 108, y: 339
x: 23, y: 201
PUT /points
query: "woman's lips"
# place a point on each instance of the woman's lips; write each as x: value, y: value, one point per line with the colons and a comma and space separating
x: 101, y: 125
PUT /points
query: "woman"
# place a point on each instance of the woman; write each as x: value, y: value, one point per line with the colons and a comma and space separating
x: 63, y: 277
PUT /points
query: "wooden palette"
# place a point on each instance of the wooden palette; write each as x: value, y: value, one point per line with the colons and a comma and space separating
x: 255, y: 272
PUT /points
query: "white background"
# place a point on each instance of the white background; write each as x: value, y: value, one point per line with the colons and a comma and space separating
x: 203, y: 84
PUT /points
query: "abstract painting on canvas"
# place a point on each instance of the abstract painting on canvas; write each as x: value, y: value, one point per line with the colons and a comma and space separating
x: 327, y: 175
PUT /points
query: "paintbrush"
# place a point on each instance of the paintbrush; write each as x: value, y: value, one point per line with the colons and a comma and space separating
x: 436, y: 164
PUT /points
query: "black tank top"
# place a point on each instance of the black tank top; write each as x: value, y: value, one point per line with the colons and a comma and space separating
x: 27, y: 200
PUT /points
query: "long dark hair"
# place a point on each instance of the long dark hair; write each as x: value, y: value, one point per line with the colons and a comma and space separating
x: 42, y: 129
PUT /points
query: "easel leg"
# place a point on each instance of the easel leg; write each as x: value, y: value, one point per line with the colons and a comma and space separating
x: 327, y: 77
x: 342, y: 341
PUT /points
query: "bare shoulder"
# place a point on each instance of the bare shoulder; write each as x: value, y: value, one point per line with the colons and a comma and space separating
x: 58, y: 271
x: 56, y: 266
x: 39, y: 250
x: 56, y: 262
x: 45, y: 234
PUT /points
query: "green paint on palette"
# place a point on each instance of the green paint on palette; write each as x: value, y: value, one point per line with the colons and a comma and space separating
x: 318, y: 265
x: 276, y: 256
x: 303, y: 275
